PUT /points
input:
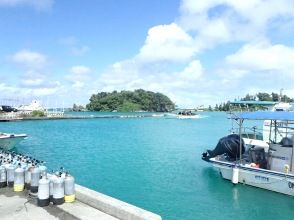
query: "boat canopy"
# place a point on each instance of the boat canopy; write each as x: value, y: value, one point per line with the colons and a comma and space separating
x: 264, y: 115
x: 253, y: 103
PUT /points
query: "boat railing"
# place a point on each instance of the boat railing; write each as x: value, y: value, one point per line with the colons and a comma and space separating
x: 249, y: 132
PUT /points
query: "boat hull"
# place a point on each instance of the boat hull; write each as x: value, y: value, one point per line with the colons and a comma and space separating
x: 177, y: 116
x: 261, y: 178
x: 8, y: 143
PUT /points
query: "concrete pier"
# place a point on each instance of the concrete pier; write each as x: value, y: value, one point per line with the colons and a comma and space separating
x: 63, y: 117
x: 89, y: 205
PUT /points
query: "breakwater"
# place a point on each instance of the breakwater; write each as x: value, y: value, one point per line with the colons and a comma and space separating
x: 5, y: 118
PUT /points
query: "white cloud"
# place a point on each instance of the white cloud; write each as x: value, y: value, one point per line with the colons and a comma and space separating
x: 263, y: 57
x: 32, y: 82
x: 214, y: 22
x: 167, y: 43
x: 80, y: 70
x: 78, y: 76
x: 37, y: 4
x: 78, y: 84
x: 29, y: 59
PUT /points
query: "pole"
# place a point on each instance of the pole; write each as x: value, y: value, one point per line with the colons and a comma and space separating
x: 240, y: 135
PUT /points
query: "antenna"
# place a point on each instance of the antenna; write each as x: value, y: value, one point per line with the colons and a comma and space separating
x: 281, y: 92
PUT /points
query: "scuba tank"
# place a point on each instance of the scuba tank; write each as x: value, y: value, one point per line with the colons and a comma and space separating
x: 51, y: 179
x: 35, y: 177
x: 43, y: 192
x: 28, y: 176
x: 69, y: 188
x: 43, y: 170
x: 58, y: 190
x: 10, y: 174
x: 3, y: 177
x: 18, y: 179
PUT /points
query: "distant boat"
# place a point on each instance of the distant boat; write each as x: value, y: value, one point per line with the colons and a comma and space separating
x: 182, y: 115
x: 33, y: 106
x: 9, y: 141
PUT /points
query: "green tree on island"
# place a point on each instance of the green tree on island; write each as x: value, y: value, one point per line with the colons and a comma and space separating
x: 126, y: 101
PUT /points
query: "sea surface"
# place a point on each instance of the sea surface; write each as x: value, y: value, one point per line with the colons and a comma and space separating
x: 154, y: 163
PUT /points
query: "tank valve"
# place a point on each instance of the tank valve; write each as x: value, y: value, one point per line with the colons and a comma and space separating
x: 286, y: 168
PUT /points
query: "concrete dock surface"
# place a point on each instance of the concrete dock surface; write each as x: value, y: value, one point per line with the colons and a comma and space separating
x: 20, y: 206
x: 89, y: 205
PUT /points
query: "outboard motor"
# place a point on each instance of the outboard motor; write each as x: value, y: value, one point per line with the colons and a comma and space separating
x: 35, y: 177
x: 58, y: 190
x: 43, y: 192
x: 229, y: 145
x: 69, y: 188
x: 3, y: 177
x: 18, y: 179
x: 10, y: 174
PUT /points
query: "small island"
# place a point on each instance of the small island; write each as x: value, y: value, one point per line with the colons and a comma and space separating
x: 130, y: 101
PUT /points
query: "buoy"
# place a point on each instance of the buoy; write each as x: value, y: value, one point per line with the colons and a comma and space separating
x: 69, y: 188
x: 43, y: 192
x: 10, y: 175
x: 35, y: 177
x: 3, y: 177
x: 58, y: 191
x: 18, y: 179
x: 235, y: 175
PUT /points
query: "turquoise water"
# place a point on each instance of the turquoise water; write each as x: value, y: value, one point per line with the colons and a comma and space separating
x: 154, y: 163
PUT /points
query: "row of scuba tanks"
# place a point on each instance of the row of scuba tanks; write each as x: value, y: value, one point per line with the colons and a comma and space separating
x: 23, y: 172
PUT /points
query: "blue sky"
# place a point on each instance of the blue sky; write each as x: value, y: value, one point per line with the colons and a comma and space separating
x: 197, y: 52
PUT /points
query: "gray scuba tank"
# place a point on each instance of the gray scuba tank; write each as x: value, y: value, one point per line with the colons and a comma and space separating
x: 58, y: 191
x: 69, y: 188
x: 28, y: 176
x: 18, y: 179
x: 43, y: 192
x: 35, y: 177
x: 51, y: 179
x: 10, y: 174
x: 3, y: 177
x: 43, y: 170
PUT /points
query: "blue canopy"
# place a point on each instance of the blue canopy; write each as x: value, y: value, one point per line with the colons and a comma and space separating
x: 265, y: 115
x: 264, y: 103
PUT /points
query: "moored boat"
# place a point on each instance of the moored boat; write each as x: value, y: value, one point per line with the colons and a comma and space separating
x: 9, y: 141
x: 267, y: 165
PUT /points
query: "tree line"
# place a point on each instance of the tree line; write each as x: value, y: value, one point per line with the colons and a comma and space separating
x: 127, y: 101
x: 261, y: 96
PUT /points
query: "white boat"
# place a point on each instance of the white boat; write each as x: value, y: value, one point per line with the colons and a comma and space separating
x: 268, y: 167
x: 182, y: 115
x: 9, y: 141
x: 35, y: 105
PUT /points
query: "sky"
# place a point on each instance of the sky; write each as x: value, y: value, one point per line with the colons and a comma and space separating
x: 196, y: 52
